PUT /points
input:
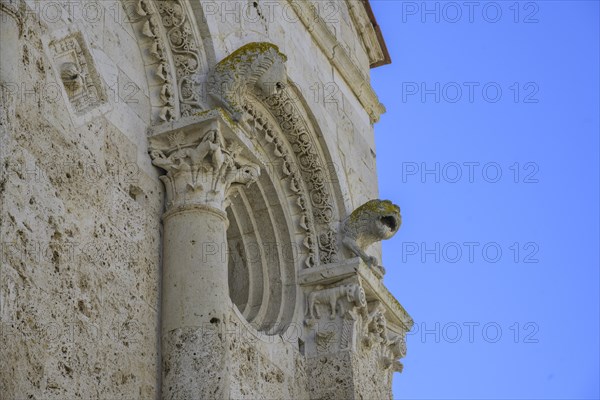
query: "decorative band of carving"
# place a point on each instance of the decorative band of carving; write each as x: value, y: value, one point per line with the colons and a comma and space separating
x: 312, y: 169
x: 294, y: 180
x: 185, y: 51
x: 145, y: 13
x: 179, y: 55
x: 257, y: 72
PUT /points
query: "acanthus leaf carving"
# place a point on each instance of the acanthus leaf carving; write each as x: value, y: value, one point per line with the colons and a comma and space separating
x: 201, y: 170
x: 387, y: 347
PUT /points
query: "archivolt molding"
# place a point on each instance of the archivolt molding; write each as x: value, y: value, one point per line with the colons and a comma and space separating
x: 255, y: 74
x: 175, y: 57
x: 316, y: 203
x: 294, y: 181
x: 185, y: 48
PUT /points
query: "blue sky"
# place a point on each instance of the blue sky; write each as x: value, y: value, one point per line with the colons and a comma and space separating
x: 490, y: 145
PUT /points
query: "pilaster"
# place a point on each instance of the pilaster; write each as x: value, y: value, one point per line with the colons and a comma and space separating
x: 356, y: 332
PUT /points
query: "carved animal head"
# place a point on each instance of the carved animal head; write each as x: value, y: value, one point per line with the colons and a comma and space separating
x: 378, y: 324
x: 69, y: 72
x: 211, y: 136
x: 248, y: 174
x: 374, y: 220
x: 389, y: 218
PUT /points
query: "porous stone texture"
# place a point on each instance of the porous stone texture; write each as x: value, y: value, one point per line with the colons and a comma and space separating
x: 347, y: 375
x: 80, y: 234
x: 331, y: 376
x: 196, y: 363
x: 177, y: 185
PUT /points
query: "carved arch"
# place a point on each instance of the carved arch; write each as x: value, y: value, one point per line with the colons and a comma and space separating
x: 174, y: 55
x: 252, y: 84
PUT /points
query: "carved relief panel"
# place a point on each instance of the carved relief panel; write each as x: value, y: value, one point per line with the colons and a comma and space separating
x: 77, y: 72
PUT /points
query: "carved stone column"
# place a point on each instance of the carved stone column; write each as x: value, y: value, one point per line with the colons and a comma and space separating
x: 204, y: 164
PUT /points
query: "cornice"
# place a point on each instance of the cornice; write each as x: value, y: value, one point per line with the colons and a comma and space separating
x: 329, y: 44
x: 365, y: 23
x: 386, y: 55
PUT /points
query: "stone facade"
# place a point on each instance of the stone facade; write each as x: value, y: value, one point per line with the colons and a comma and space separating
x: 184, y: 202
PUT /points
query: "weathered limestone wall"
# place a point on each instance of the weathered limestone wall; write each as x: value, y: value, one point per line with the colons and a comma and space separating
x: 79, y: 223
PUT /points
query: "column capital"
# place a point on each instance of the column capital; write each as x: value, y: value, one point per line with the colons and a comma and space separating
x: 203, y: 161
x: 352, y: 320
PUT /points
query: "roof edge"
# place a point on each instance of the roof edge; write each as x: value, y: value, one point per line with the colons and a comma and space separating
x: 386, y: 55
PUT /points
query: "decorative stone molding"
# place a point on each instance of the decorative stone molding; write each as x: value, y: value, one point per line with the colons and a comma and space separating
x: 77, y: 71
x: 294, y: 180
x: 326, y: 40
x: 185, y: 49
x: 367, y: 33
x: 372, y: 222
x: 254, y: 74
x: 176, y: 57
x: 355, y: 330
x: 156, y: 58
x: 285, y: 109
x: 202, y: 167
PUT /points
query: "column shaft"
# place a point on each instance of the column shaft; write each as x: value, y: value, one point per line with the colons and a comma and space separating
x: 195, y: 305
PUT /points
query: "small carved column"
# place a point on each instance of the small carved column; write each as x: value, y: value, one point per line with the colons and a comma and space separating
x: 202, y: 170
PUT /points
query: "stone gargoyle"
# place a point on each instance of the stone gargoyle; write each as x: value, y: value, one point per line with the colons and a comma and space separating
x: 372, y: 222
